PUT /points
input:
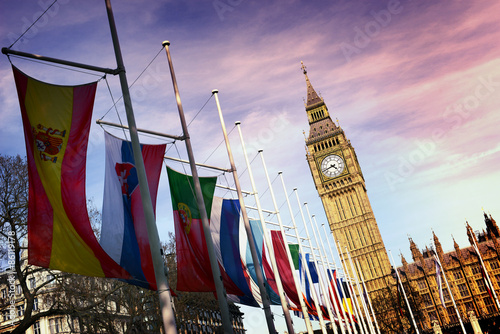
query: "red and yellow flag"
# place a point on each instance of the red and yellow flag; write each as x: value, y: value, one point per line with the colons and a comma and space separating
x: 56, y: 123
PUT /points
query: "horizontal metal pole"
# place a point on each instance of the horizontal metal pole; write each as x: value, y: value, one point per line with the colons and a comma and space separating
x: 8, y: 51
x: 99, y: 121
x: 229, y: 188
x: 263, y: 210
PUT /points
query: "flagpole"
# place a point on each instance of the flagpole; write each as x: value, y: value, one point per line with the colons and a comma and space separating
x: 304, y: 260
x: 341, y: 285
x: 363, y: 304
x: 323, y: 257
x: 354, y: 279
x: 476, y: 248
x: 253, y: 250
x: 320, y: 278
x: 351, y: 291
x: 451, y: 294
x: 167, y: 313
x: 368, y: 296
x: 404, y: 293
x: 279, y: 284
x: 214, y: 264
x: 289, y: 255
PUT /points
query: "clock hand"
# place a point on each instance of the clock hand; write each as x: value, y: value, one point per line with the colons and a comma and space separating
x: 324, y: 170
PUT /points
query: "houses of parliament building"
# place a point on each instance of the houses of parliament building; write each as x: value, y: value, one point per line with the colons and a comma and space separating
x: 474, y: 281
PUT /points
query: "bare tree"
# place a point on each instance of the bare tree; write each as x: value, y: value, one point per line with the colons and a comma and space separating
x: 95, y: 304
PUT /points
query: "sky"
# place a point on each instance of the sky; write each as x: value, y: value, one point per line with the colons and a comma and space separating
x: 414, y: 84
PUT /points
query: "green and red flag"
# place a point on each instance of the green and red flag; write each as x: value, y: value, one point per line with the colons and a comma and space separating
x: 193, y: 264
x: 56, y: 122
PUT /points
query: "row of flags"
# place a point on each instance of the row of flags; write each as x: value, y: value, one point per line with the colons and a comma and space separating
x: 56, y: 121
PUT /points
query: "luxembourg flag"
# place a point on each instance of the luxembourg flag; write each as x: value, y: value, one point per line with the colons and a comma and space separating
x: 124, y: 234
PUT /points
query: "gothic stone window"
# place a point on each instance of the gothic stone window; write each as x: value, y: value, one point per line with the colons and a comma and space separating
x: 452, y: 314
x: 476, y: 270
x: 427, y: 299
x: 469, y: 306
x: 490, y: 307
x: 463, y: 290
x: 480, y: 285
x: 457, y: 274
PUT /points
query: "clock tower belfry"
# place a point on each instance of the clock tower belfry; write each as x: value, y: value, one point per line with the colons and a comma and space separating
x: 340, y: 184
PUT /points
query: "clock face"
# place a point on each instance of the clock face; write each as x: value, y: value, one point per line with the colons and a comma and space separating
x: 332, y: 166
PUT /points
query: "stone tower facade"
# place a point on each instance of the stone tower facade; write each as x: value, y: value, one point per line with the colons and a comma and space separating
x: 340, y: 184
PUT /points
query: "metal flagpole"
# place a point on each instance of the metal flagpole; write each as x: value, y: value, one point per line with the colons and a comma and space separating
x: 354, y: 300
x: 368, y: 296
x: 476, y: 248
x: 365, y: 309
x: 304, y: 261
x: 451, y: 294
x: 258, y: 270
x: 355, y: 282
x: 279, y: 284
x: 167, y: 313
x: 214, y: 264
x: 404, y: 293
x: 326, y: 265
x: 341, y: 286
x: 320, y: 277
x: 289, y: 255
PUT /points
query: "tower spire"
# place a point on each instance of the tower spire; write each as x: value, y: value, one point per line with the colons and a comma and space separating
x: 313, y: 99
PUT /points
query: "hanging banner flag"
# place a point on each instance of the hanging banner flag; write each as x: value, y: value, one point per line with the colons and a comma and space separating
x: 306, y: 284
x: 193, y: 264
x: 345, y: 295
x: 56, y: 121
x: 258, y: 237
x: 439, y: 283
x: 400, y: 299
x: 337, y: 294
x: 194, y: 272
x: 486, y: 283
x: 284, y: 269
x: 225, y: 229
x: 124, y: 234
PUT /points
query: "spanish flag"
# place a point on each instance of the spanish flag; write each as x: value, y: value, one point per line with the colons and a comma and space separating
x: 56, y: 122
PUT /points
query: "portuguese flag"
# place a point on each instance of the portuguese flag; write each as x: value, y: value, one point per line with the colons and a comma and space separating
x: 193, y: 264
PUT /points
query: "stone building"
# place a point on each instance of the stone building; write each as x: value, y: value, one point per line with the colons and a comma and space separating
x: 466, y: 276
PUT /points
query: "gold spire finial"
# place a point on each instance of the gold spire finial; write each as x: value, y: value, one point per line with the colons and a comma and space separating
x: 303, y: 67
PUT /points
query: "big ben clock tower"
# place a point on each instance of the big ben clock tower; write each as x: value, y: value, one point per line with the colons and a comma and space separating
x: 340, y: 183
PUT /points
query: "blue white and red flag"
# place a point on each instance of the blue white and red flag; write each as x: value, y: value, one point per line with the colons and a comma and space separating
x: 124, y: 234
